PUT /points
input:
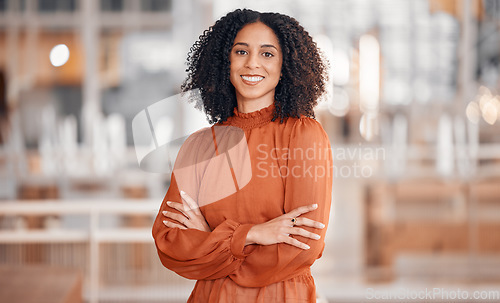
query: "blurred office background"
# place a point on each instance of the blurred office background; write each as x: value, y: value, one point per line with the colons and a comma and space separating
x: 412, y: 113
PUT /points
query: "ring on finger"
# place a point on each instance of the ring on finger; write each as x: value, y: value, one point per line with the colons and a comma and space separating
x: 294, y: 221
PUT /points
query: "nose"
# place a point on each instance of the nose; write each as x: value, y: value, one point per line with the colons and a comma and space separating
x: 252, y: 60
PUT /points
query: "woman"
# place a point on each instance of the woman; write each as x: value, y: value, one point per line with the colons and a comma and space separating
x: 249, y: 198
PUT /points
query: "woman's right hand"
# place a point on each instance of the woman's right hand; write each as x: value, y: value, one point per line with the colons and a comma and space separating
x: 279, y: 229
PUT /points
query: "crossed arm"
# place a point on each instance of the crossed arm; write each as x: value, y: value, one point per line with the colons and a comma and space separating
x: 277, y: 230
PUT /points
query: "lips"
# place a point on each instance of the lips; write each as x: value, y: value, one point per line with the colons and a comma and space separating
x: 252, y: 79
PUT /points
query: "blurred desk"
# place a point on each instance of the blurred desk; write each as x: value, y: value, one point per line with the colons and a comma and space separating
x: 93, y: 239
x: 421, y: 223
x: 40, y: 284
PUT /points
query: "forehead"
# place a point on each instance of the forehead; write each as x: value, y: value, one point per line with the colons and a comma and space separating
x: 257, y: 33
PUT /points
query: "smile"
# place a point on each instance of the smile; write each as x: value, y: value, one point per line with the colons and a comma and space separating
x: 252, y: 79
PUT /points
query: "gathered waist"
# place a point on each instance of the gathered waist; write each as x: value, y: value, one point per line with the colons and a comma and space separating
x: 303, y: 272
x: 298, y: 288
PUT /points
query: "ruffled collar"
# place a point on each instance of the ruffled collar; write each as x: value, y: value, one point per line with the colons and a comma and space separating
x: 253, y: 119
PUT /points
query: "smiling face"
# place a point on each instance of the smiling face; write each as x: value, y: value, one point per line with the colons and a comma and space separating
x: 256, y: 61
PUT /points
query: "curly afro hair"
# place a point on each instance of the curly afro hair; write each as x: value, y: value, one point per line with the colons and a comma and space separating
x: 303, y: 72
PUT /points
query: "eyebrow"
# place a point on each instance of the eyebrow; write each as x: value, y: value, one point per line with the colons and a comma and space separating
x: 263, y: 45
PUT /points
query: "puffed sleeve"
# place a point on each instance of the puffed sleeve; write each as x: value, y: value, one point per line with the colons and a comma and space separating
x: 192, y: 253
x: 309, y: 181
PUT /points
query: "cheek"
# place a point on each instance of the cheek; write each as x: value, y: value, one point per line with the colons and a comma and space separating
x: 233, y: 68
x: 232, y: 73
x: 280, y: 66
x: 275, y: 69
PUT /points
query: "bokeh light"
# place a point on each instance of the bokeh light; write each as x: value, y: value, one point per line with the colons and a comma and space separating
x: 368, y: 126
x: 339, y: 105
x: 59, y: 55
x: 472, y: 112
x: 369, y: 73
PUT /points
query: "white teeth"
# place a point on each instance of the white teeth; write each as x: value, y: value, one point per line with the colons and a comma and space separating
x: 253, y: 78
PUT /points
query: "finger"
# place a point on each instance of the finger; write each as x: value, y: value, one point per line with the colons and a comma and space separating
x: 177, y: 217
x: 302, y: 210
x: 180, y: 207
x: 296, y: 243
x: 190, y: 202
x: 173, y: 225
x: 303, y: 221
x: 304, y: 233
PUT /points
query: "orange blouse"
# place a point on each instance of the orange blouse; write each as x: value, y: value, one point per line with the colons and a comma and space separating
x: 246, y: 171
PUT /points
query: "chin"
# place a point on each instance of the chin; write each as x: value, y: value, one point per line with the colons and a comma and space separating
x: 249, y: 95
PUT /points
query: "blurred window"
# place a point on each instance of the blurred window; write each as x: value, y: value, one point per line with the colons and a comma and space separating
x: 19, y: 5
x: 56, y: 5
x: 156, y: 5
x: 112, y: 5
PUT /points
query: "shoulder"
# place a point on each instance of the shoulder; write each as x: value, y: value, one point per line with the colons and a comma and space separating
x: 195, y: 147
x: 309, y: 138
x: 202, y: 144
x: 307, y: 128
x: 201, y: 137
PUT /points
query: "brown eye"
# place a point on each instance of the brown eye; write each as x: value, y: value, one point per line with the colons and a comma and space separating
x: 268, y: 55
x: 241, y: 52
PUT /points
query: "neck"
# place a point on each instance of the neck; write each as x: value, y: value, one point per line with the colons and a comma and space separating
x: 248, y: 106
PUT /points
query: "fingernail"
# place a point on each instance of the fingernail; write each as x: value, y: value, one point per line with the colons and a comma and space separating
x: 165, y: 212
x: 307, y: 246
x: 169, y: 203
x: 182, y: 192
x: 316, y: 236
x: 315, y: 205
x: 165, y: 222
x: 321, y: 225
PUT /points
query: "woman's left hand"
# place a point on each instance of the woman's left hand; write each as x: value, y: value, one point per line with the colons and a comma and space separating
x: 190, y: 215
